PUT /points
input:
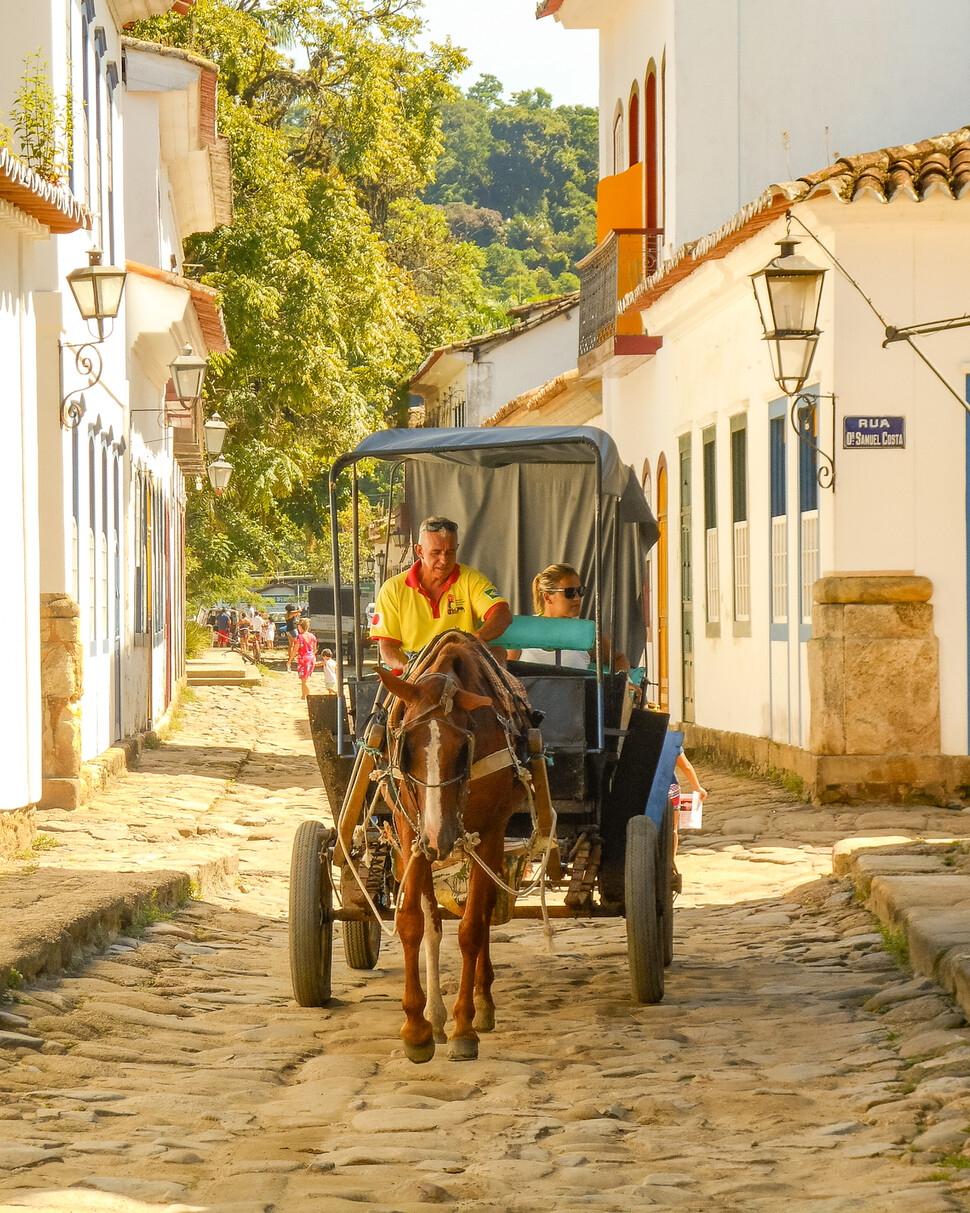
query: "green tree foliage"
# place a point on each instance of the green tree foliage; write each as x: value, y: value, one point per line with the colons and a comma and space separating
x: 518, y: 178
x: 335, y: 276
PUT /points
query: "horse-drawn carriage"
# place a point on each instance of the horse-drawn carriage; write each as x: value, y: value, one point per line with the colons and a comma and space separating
x: 569, y: 817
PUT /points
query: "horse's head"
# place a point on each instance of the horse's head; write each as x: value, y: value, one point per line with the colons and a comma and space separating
x: 434, y: 752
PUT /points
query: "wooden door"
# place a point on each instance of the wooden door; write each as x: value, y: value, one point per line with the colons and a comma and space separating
x: 663, y: 608
x: 686, y: 582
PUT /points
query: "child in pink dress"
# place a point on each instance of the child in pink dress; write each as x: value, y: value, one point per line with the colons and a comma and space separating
x: 306, y: 655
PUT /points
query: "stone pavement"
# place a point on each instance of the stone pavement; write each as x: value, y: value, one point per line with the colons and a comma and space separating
x: 910, y: 865
x: 178, y: 825
x: 791, y: 1063
x: 195, y: 812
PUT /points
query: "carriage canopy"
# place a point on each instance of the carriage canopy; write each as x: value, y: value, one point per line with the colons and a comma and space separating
x: 526, y: 497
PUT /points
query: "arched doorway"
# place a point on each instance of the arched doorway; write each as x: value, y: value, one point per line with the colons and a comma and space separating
x: 650, y: 157
x: 663, y: 664
x: 618, y: 158
x: 633, y: 125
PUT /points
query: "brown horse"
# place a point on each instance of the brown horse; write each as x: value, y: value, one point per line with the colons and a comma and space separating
x: 456, y: 782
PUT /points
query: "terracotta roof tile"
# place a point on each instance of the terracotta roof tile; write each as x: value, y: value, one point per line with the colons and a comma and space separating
x: 900, y: 178
x: 934, y: 174
x: 914, y: 171
x: 534, y: 398
x: 52, y: 205
x: 204, y: 300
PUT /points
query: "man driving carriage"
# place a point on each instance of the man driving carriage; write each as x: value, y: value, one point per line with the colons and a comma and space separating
x: 435, y: 595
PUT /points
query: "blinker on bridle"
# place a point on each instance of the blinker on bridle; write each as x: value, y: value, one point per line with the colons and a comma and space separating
x: 446, y: 702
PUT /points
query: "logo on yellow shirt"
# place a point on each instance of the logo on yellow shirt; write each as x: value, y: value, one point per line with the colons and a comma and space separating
x: 455, y: 607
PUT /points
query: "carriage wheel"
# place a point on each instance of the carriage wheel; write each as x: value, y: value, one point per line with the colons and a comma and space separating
x: 311, y: 916
x: 643, y: 923
x: 665, y: 881
x: 362, y: 943
x: 363, y: 938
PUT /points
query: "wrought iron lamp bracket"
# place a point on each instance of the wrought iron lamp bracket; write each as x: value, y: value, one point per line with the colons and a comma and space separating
x: 808, y: 402
x: 87, y: 361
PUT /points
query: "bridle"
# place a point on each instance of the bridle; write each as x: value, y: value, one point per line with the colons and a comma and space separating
x: 445, y: 704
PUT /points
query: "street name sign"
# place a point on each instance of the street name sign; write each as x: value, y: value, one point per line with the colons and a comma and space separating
x: 873, y: 432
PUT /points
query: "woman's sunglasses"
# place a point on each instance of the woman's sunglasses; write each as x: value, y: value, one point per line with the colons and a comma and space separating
x: 570, y: 591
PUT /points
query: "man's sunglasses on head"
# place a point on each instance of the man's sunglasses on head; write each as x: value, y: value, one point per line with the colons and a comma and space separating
x: 570, y: 591
x: 434, y: 527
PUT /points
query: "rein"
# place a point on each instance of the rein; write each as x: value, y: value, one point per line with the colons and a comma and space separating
x: 393, y: 777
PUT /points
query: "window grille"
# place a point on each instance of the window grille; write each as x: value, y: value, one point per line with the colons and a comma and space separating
x: 713, y: 585
x: 779, y: 569
x: 809, y: 561
x: 742, y: 573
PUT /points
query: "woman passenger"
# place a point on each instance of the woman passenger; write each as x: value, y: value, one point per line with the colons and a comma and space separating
x: 557, y: 593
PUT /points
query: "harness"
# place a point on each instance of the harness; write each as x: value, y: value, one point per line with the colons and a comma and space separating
x: 389, y: 771
x: 395, y: 770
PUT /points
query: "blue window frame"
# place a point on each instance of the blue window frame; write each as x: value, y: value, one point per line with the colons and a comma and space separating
x: 779, y: 471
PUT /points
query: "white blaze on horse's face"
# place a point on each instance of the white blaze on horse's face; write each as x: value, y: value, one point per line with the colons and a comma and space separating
x: 440, y: 831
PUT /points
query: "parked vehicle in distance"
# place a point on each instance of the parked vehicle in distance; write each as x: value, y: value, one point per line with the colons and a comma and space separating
x: 322, y: 619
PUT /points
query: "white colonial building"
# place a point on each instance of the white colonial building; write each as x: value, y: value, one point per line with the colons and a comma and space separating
x: 797, y: 620
x: 467, y: 382
x: 94, y: 484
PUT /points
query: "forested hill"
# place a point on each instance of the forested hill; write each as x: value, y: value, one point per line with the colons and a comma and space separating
x: 518, y: 178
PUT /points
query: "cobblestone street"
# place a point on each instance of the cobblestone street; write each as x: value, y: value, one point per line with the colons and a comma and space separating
x: 791, y: 1065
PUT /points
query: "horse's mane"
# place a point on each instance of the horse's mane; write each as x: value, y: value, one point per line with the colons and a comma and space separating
x: 475, y: 669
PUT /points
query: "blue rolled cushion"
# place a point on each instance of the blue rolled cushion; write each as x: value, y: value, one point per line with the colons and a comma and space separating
x: 539, y: 632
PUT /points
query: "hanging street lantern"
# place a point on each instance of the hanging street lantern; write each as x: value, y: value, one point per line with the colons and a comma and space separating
x: 215, y: 430
x: 188, y: 375
x: 788, y: 292
x: 97, y: 290
x: 219, y: 474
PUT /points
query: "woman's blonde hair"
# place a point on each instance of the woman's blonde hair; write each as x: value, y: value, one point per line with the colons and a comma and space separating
x: 547, y: 581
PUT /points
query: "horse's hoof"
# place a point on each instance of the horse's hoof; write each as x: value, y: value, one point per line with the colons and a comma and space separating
x: 463, y: 1049
x: 440, y: 1036
x: 484, y: 1019
x: 419, y: 1053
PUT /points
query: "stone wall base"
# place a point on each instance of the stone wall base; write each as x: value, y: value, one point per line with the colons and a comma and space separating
x: 17, y: 830
x: 838, y: 778
x: 100, y: 772
x: 60, y: 794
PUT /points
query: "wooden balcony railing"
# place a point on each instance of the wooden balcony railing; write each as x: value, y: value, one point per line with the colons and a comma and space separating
x: 607, y: 274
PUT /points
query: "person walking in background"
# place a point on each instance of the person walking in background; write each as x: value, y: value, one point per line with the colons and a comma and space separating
x: 222, y: 625
x: 256, y: 636
x: 292, y: 618
x: 684, y: 767
x: 329, y: 669
x: 306, y: 655
x: 269, y: 633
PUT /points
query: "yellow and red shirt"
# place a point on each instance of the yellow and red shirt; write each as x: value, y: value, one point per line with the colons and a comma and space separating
x: 406, y: 615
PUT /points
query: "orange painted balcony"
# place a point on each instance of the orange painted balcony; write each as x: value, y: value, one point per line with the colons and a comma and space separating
x: 622, y: 201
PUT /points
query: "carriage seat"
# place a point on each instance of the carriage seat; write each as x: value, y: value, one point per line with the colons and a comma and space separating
x: 567, y: 699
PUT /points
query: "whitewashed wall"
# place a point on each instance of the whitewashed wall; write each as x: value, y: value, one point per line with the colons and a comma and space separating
x: 739, y: 75
x: 509, y: 368
x: 20, y: 708
x: 892, y: 510
x: 532, y: 358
